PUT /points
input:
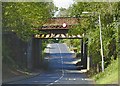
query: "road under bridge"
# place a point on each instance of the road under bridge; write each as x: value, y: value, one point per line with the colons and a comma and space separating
x: 54, y: 28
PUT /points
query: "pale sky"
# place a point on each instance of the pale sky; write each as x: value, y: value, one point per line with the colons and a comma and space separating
x: 63, y: 3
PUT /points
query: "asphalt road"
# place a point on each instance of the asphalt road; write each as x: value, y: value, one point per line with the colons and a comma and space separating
x: 62, y: 70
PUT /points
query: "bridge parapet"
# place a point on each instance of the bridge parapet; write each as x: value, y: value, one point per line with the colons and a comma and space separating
x: 58, y: 27
x: 57, y: 23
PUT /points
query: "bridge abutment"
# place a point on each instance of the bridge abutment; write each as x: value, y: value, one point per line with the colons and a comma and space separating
x: 84, y: 53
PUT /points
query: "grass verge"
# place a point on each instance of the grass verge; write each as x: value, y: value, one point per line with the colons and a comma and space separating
x: 109, y: 76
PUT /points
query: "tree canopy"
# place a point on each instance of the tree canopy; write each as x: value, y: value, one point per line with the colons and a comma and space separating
x: 22, y: 17
x: 89, y: 26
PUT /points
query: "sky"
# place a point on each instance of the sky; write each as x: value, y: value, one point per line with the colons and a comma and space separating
x: 63, y: 3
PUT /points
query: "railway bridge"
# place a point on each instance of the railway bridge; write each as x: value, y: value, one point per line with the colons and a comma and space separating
x: 55, y: 28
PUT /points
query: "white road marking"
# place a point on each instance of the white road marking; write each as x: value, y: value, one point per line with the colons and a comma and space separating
x: 56, y: 81
x: 87, y: 79
x: 71, y: 79
x: 62, y: 69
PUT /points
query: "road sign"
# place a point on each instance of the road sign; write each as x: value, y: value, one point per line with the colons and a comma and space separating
x: 64, y: 25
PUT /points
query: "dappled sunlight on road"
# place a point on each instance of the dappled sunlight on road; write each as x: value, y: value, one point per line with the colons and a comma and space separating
x: 61, y: 70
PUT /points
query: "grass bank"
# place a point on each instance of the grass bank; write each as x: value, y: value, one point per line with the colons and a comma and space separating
x: 109, y: 76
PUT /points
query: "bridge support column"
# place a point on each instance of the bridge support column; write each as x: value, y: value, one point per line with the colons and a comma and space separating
x: 36, y: 53
x: 84, y: 52
x: 81, y: 48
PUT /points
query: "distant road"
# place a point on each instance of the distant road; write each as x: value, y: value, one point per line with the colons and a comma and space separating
x: 57, y: 48
x: 62, y: 70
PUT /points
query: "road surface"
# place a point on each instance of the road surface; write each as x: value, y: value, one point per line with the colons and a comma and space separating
x: 62, y: 70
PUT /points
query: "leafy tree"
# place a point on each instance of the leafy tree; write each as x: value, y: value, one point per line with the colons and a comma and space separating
x: 88, y: 25
x: 23, y: 17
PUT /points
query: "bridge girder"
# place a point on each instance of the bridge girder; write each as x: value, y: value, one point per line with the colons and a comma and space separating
x: 53, y: 35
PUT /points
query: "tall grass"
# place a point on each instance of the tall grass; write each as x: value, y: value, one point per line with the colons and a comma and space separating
x: 109, y: 76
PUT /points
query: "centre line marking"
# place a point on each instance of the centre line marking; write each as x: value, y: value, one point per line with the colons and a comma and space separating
x: 62, y: 68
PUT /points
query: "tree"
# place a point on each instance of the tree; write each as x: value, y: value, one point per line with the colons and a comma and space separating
x: 20, y: 18
x: 88, y: 25
x: 23, y: 17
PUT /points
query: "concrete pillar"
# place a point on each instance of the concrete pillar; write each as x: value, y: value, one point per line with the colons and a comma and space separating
x: 84, y: 52
x: 88, y: 63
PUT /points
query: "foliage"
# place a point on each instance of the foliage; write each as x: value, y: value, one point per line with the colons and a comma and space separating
x: 109, y: 76
x: 63, y: 12
x: 20, y: 18
x: 23, y: 17
x: 89, y: 26
x: 73, y: 44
